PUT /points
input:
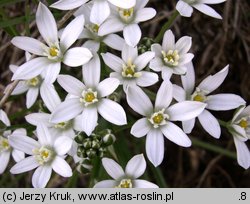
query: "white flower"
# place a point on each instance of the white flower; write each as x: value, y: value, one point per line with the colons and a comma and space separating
x: 51, y: 56
x: 90, y: 32
x: 171, y: 58
x: 218, y: 102
x: 157, y: 120
x: 136, y: 166
x: 45, y: 154
x: 240, y: 129
x: 129, y: 69
x: 5, y: 148
x: 88, y: 99
x: 127, y: 20
x: 185, y: 7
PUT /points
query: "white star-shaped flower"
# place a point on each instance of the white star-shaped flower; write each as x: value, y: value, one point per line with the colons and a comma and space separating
x: 158, y: 120
x: 45, y: 154
x: 55, y: 52
x: 171, y: 58
x: 135, y: 167
x: 185, y: 7
x: 129, y: 69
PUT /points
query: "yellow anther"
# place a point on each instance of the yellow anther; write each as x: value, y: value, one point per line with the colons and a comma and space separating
x: 33, y: 82
x: 89, y: 97
x: 199, y: 98
x: 243, y: 123
x: 158, y: 118
x: 53, y: 51
x: 125, y: 183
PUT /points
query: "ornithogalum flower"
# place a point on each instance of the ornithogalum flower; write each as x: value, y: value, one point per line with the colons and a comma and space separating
x: 129, y: 69
x: 185, y: 7
x: 134, y: 169
x: 55, y: 52
x: 88, y: 99
x: 217, y: 102
x: 45, y: 154
x: 171, y: 58
x: 158, y: 120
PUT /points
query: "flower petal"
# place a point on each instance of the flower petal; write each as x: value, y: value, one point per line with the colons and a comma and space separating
x: 68, y: 4
x: 188, y: 80
x: 220, y: 102
x: 4, y: 158
x: 111, y: 25
x: 106, y: 184
x: 107, y: 86
x: 77, y: 56
x: 51, y: 72
x: 178, y: 93
x: 188, y: 125
x: 60, y: 166
x: 142, y: 60
x: 4, y: 118
x: 140, y: 128
x: 183, y: 45
x: 31, y: 97
x: 89, y: 119
x: 184, y: 9
x: 136, y: 166
x: 24, y: 165
x: 113, y: 168
x: 123, y: 4
x: 155, y: 147
x: 114, y: 41
x: 207, y: 10
x: 100, y: 11
x: 243, y: 154
x: 17, y: 155
x: 43, y: 135
x: 46, y: 24
x: 144, y: 14
x: 132, y: 34
x: 36, y: 118
x: 164, y: 95
x: 129, y: 53
x: 113, y: 61
x: 29, y: 44
x: 176, y: 135
x: 62, y: 145
x: 139, y: 101
x: 112, y: 112
x: 138, y: 183
x: 20, y: 88
x: 67, y: 110
x: 168, y: 42
x: 41, y: 176
x: 147, y: 79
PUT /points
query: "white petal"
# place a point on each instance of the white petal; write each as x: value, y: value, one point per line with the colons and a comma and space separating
x: 20, y: 88
x: 77, y: 56
x: 166, y: 73
x: 46, y: 24
x: 211, y: 1
x: 155, y: 147
x: 147, y: 79
x: 62, y: 145
x: 243, y: 154
x: 156, y: 64
x: 123, y: 4
x: 210, y: 124
x: 136, y: 166
x: 184, y: 9
x: 114, y: 41
x: 183, y: 45
x: 29, y: 44
x: 113, y: 61
x: 49, y: 96
x: 140, y: 128
x: 207, y: 10
x: 185, y: 110
x: 43, y: 135
x: 41, y: 176
x: 91, y: 72
x: 36, y: 118
x: 132, y: 34
x: 92, y: 45
x: 71, y: 85
x: 32, y: 95
x: 24, y: 165
x: 176, y: 135
x: 188, y: 125
x: 188, y: 80
x: 17, y: 155
x: 129, y: 53
x: 142, y: 60
x: 99, y: 12
x: 144, y: 14
x: 4, y: 159
x: 112, y: 112
x: 68, y: 4
x: 168, y: 42
x: 139, y: 101
x: 4, y: 118
x: 67, y: 110
x: 157, y: 49
x: 240, y: 132
x: 60, y: 166
x: 31, y: 68
x: 178, y: 93
x: 89, y: 119
x: 107, y: 86
x: 111, y: 25
x: 112, y: 168
x: 68, y: 37
x: 164, y: 95
x: 106, y: 184
x: 138, y: 183
x: 221, y: 102
x: 52, y: 71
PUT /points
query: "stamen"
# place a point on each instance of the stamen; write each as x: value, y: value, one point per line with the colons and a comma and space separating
x: 126, y: 14
x: 33, y: 82
x: 129, y: 70
x: 4, y: 144
x: 159, y: 118
x: 171, y: 58
x: 53, y: 51
x: 199, y: 95
x: 243, y: 123
x: 89, y: 97
x: 44, y: 155
x: 125, y: 183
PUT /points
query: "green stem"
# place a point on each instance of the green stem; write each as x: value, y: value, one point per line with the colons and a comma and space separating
x: 166, y: 26
x: 213, y: 148
x: 223, y: 123
x: 73, y: 180
x: 160, y: 180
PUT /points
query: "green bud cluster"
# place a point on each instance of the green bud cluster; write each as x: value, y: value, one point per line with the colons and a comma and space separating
x: 145, y: 45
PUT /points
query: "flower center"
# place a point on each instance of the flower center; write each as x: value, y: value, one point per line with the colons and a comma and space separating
x: 126, y: 14
x: 159, y: 118
x: 62, y: 125
x: 125, y: 183
x: 89, y: 97
x: 95, y: 28
x: 4, y: 144
x: 243, y: 123
x: 44, y: 155
x: 53, y: 51
x: 171, y: 58
x: 129, y: 70
x: 33, y: 82
x: 199, y: 95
